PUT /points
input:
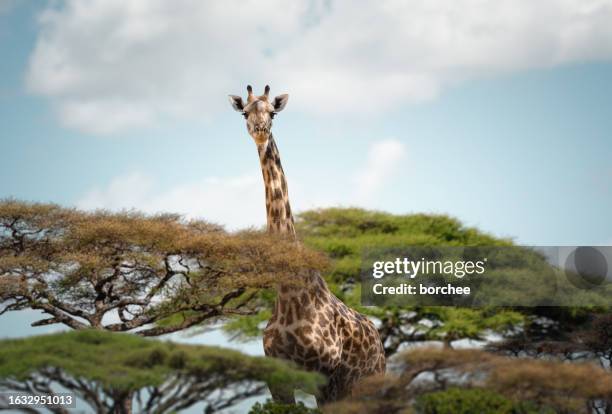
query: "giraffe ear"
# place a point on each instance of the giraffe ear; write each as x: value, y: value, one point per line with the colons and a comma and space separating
x: 236, y: 102
x: 280, y: 102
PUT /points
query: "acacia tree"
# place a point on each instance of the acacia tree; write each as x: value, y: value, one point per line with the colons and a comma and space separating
x: 109, y: 370
x: 465, y: 381
x: 590, y: 340
x: 129, y: 272
x: 344, y: 233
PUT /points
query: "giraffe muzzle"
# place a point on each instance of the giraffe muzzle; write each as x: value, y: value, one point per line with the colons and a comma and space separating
x: 261, y: 129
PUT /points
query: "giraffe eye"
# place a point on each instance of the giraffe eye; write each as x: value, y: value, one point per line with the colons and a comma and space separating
x: 272, y: 114
x: 245, y: 115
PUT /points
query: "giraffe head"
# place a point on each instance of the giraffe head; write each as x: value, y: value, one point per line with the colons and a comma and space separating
x: 259, y: 112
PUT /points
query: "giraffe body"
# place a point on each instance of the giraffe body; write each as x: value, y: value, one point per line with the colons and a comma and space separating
x: 309, y: 325
x: 314, y: 329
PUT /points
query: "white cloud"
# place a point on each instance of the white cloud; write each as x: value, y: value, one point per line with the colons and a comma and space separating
x: 239, y: 202
x: 236, y: 202
x: 129, y: 62
x: 384, y: 158
x: 124, y: 192
x: 85, y: 115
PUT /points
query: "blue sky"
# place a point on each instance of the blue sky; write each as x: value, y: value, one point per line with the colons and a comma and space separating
x: 499, y: 117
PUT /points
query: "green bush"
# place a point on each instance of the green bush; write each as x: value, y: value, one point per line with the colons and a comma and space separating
x: 470, y: 401
x: 107, y: 370
x: 271, y: 407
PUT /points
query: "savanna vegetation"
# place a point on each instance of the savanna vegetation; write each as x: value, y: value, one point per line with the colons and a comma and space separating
x: 126, y: 272
x: 580, y: 334
x: 106, y: 273
x: 344, y: 234
x: 445, y: 381
x: 147, y: 275
x: 115, y: 373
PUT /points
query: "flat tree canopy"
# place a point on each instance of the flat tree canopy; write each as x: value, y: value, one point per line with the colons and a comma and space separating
x: 106, y: 370
x: 131, y: 272
x: 475, y: 381
x: 344, y: 233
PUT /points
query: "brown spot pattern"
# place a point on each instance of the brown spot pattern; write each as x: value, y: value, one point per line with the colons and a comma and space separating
x: 321, y: 333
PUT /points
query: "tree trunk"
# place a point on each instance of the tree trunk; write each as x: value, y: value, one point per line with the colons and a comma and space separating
x: 123, y: 403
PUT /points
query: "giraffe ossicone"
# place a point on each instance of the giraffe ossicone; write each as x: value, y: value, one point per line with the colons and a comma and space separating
x: 309, y: 325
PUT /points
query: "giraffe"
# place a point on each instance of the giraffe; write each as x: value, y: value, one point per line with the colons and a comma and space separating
x: 309, y: 325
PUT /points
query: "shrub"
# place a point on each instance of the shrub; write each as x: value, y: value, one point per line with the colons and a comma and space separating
x: 271, y: 407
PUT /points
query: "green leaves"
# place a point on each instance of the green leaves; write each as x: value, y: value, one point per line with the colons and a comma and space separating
x: 92, y: 361
x: 463, y: 401
x: 474, y: 400
x: 344, y: 233
x: 271, y: 407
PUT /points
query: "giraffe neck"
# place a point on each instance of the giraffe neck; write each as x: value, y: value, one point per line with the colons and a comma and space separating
x: 278, y: 209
